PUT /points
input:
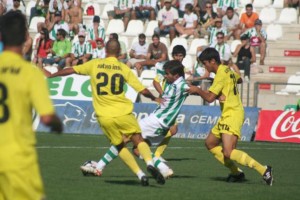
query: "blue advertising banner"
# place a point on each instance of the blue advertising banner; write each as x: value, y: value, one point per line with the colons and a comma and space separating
x: 194, y: 122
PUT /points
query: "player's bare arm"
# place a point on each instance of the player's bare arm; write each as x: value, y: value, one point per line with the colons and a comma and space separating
x: 53, y: 122
x: 64, y: 72
x: 148, y: 94
x: 206, y: 95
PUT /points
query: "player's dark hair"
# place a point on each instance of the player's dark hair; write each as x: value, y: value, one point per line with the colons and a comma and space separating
x: 179, y: 49
x: 249, y: 5
x: 114, y: 36
x: 13, y: 28
x: 113, y: 47
x: 142, y: 36
x: 189, y: 7
x: 208, y: 54
x: 230, y: 8
x: 175, y: 67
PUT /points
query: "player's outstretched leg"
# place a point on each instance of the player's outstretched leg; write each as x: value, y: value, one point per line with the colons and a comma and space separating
x: 163, y: 145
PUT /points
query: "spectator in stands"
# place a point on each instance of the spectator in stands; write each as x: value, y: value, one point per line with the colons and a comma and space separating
x: 248, y: 18
x: 200, y: 6
x: 17, y: 6
x: 167, y: 18
x: 42, y: 48
x: 182, y: 4
x: 54, y: 7
x: 40, y: 9
x: 258, y: 37
x: 222, y: 47
x: 189, y: 23
x: 81, y: 51
x: 205, y: 19
x: 123, y: 54
x: 73, y: 15
x: 246, y: 56
x: 2, y: 7
x: 223, y: 5
x: 58, y: 23
x: 138, y: 51
x: 96, y: 30
x: 215, y: 26
x: 231, y: 23
x: 157, y: 52
x: 122, y: 10
x: 99, y: 51
x: 291, y: 3
x: 60, y: 50
x: 144, y: 9
x: 27, y: 48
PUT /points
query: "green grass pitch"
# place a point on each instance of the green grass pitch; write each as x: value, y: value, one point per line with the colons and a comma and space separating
x: 197, y: 174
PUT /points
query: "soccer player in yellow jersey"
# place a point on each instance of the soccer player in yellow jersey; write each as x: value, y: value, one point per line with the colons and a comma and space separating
x: 114, y: 110
x: 22, y: 88
x: 227, y: 131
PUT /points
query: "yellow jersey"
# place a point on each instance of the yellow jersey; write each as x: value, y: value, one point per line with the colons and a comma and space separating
x: 22, y: 87
x: 225, y: 82
x: 108, y: 77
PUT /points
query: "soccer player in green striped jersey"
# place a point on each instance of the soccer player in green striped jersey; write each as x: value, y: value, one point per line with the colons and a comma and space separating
x: 157, y: 124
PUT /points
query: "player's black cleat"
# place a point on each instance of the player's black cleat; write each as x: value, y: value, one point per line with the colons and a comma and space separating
x: 144, y: 181
x: 268, y: 176
x: 232, y: 178
x: 156, y: 174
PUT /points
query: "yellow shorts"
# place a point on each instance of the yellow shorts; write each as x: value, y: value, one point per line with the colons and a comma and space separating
x: 23, y: 184
x: 115, y: 127
x: 228, y: 125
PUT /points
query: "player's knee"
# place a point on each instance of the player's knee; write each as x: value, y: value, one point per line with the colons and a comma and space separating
x: 120, y: 146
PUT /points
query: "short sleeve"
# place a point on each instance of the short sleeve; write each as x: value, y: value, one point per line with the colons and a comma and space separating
x: 218, y: 84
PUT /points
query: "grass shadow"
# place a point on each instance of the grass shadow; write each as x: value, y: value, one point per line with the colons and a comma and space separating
x: 180, y: 159
x: 224, y: 179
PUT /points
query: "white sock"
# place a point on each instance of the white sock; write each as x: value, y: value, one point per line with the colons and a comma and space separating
x: 140, y: 174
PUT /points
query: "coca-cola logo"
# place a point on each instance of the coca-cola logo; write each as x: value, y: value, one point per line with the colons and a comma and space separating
x: 287, y: 125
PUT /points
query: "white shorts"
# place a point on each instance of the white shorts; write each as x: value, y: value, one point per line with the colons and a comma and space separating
x: 152, y: 130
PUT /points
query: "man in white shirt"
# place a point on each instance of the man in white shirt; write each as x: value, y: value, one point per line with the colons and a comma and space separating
x: 138, y: 51
x: 122, y: 10
x: 231, y: 23
x: 167, y: 18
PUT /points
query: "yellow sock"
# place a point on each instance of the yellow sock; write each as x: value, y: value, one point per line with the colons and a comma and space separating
x: 129, y: 160
x: 244, y: 159
x: 217, y: 151
x: 163, y: 145
x: 145, y: 152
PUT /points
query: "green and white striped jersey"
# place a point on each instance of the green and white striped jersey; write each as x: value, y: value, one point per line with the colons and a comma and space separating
x: 213, y: 33
x: 79, y: 50
x: 91, y: 33
x: 123, y: 4
x: 174, y: 95
x: 223, y: 49
x: 228, y: 3
x: 251, y: 32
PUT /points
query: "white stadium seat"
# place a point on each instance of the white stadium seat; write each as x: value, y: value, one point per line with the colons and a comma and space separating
x: 125, y: 40
x: 267, y: 15
x: 274, y: 31
x: 178, y: 41
x: 147, y: 77
x: 294, y: 79
x: 96, y: 8
x: 278, y: 3
x: 134, y: 28
x: 288, y: 16
x: 107, y: 7
x: 188, y: 63
x: 115, y: 26
x: 150, y: 28
x: 234, y: 44
x: 164, y: 40
x: 261, y: 3
x: 196, y: 43
x: 29, y: 5
x: 244, y: 2
x: 34, y: 22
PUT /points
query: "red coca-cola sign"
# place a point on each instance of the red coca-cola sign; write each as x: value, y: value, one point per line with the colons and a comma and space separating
x: 278, y: 126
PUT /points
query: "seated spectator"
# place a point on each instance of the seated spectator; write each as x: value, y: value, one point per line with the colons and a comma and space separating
x: 205, y: 18
x: 291, y: 3
x: 2, y: 7
x: 200, y: 6
x: 182, y: 8
x: 123, y: 54
x: 40, y: 9
x: 167, y: 18
x: 223, y: 5
x: 214, y: 28
x: 42, y: 48
x: 17, y: 6
x: 258, y: 37
x: 60, y: 50
x: 157, y: 52
x: 231, y: 23
x: 189, y: 22
x: 222, y: 47
x: 122, y: 10
x: 138, y: 51
x: 81, y: 51
x: 54, y: 7
x: 96, y: 30
x: 73, y: 15
x: 56, y: 24
x: 99, y: 51
x: 27, y: 48
x: 247, y: 19
x: 246, y: 56
x: 197, y: 74
x: 143, y: 10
